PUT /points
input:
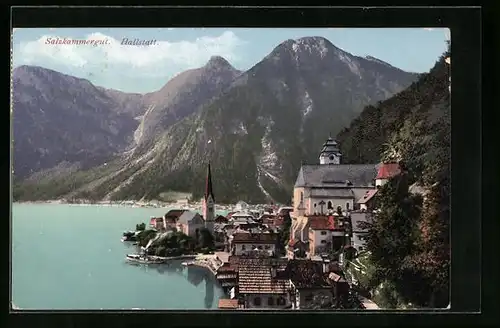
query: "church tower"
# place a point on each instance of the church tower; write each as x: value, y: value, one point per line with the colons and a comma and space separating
x: 209, y: 203
x: 330, y: 153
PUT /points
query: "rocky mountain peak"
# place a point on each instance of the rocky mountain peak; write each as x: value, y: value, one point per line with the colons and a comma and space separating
x: 218, y: 62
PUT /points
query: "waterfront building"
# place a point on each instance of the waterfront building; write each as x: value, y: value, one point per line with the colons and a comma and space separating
x: 189, y: 222
x: 242, y: 243
x: 209, y: 203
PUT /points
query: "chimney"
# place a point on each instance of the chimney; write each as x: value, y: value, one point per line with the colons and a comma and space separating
x: 326, y: 266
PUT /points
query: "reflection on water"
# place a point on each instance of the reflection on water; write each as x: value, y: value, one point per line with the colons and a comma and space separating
x: 194, y: 275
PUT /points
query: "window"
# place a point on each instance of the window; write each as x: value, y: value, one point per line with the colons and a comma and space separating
x: 323, y: 233
x: 301, y: 196
x: 281, y: 300
x: 360, y: 248
x: 256, y: 301
x: 323, y: 241
x: 270, y: 301
x: 330, y: 206
x: 332, y: 157
x: 267, y: 247
x: 260, y: 247
x: 243, y: 247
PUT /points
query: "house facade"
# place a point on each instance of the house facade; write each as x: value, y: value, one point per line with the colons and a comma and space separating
x: 326, y: 233
x: 243, y: 243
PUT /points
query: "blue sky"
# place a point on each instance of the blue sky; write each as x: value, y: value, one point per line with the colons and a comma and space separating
x: 147, y: 68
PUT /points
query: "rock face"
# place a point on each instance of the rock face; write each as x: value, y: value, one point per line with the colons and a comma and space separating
x: 256, y: 127
x: 58, y: 118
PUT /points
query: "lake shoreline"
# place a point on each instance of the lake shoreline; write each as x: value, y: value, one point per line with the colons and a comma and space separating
x: 129, y: 204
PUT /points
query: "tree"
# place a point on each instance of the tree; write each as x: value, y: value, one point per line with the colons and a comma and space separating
x: 206, y: 239
x: 392, y: 236
x: 140, y: 227
x: 324, y: 302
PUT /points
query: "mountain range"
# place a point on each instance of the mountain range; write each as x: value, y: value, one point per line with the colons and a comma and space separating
x: 76, y: 140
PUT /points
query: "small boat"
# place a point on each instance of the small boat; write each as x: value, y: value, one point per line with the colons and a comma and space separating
x: 144, y: 259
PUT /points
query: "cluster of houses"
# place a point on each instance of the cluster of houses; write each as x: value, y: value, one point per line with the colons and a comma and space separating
x: 330, y: 199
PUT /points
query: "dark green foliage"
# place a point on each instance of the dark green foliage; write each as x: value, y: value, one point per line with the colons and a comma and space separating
x: 322, y: 302
x: 409, y: 240
x: 205, y: 239
x: 140, y: 227
x: 145, y: 236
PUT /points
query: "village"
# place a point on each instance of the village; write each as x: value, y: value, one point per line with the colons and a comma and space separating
x: 258, y: 269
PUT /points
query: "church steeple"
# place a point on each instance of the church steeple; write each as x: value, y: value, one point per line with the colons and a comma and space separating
x: 330, y: 153
x: 208, y: 184
x: 209, y: 202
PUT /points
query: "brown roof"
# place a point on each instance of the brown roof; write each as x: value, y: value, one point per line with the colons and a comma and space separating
x: 221, y: 219
x: 255, y: 238
x: 306, y: 274
x: 228, y: 304
x: 174, y: 213
x: 254, y: 277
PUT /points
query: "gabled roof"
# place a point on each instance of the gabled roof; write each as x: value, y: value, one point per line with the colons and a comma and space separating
x: 388, y: 170
x: 254, y: 276
x: 174, y: 213
x: 187, y: 216
x: 337, y: 175
x: 367, y: 196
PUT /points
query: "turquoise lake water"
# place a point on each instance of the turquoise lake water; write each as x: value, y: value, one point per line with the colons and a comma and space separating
x: 71, y: 257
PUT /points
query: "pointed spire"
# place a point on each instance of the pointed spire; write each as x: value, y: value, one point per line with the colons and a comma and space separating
x: 208, y: 184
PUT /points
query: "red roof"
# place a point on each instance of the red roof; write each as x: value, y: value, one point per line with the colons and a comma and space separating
x: 321, y: 222
x: 388, y: 170
x: 230, y: 214
x: 367, y: 196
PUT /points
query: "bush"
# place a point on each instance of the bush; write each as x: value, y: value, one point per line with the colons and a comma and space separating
x: 140, y: 227
x: 161, y: 251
